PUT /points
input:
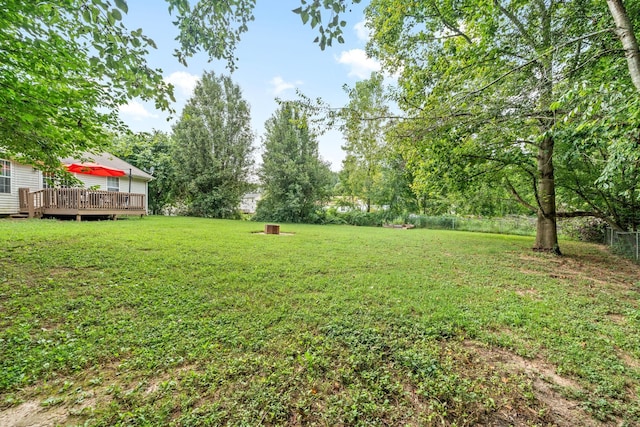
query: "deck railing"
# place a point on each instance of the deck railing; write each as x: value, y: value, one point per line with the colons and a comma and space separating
x: 71, y: 200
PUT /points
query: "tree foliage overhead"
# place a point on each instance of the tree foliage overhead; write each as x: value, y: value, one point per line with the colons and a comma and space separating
x: 214, y: 149
x: 215, y: 27
x: 210, y: 26
x: 66, y: 67
x: 293, y: 177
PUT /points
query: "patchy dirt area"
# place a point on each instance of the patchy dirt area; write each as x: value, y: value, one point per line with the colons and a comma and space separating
x: 32, y: 414
x: 546, y: 385
x: 279, y: 234
x: 601, y: 268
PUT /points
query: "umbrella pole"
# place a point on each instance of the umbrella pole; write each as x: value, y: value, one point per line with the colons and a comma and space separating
x: 129, y: 180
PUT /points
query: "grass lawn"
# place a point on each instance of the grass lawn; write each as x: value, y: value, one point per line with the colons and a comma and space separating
x: 189, y: 322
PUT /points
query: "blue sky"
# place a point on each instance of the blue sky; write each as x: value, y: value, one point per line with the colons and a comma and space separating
x: 276, y: 56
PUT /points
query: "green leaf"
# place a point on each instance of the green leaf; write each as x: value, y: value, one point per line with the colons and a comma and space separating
x: 116, y: 14
x: 122, y: 5
x: 86, y: 15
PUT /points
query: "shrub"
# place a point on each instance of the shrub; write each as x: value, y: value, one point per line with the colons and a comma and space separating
x: 584, y: 229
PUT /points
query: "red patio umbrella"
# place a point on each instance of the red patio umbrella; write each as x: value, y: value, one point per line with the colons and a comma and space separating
x: 94, y: 169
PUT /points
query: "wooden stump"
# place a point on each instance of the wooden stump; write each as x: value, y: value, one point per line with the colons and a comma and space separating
x: 271, y: 229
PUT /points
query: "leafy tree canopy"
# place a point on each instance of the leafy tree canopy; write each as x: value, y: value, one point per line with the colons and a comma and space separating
x: 153, y: 153
x: 213, y: 151
x: 483, y: 87
x: 294, y: 179
x: 66, y: 67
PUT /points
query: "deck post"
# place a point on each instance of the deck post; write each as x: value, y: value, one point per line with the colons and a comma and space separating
x: 30, y: 204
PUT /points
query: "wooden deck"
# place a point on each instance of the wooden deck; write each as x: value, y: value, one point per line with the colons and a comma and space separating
x: 80, y: 202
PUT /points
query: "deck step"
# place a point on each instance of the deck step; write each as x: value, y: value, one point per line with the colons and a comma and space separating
x: 19, y: 216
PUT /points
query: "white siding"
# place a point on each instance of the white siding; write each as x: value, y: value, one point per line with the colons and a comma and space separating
x: 137, y: 185
x: 100, y: 182
x: 21, y: 177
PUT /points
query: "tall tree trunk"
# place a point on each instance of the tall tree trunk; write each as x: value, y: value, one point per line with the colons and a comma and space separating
x: 624, y: 30
x: 546, y: 231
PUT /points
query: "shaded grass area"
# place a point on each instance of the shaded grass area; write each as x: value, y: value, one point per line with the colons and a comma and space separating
x: 189, y: 321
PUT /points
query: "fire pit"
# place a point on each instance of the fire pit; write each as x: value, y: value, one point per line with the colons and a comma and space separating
x: 272, y: 229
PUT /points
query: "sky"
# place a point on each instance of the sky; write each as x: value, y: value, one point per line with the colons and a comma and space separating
x: 275, y: 57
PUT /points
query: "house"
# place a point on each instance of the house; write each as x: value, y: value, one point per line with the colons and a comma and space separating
x: 343, y: 204
x: 249, y: 203
x: 26, y: 191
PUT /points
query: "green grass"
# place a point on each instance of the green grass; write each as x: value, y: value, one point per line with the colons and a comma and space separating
x: 185, y: 321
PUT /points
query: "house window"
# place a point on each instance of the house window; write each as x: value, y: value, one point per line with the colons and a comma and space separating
x: 5, y: 176
x: 51, y: 180
x: 113, y: 183
x: 48, y: 180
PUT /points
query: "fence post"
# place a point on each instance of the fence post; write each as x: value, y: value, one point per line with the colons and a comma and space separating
x: 637, y: 241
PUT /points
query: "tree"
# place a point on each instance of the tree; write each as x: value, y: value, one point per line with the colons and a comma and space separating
x: 66, y: 68
x: 480, y: 85
x: 214, y: 148
x: 598, y: 148
x: 365, y: 120
x: 294, y: 179
x: 153, y: 153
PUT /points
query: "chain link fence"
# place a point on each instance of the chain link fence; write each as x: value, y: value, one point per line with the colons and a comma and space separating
x: 514, y: 224
x: 626, y: 243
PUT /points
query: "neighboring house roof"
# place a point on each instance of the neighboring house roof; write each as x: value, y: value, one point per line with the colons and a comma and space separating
x: 111, y: 161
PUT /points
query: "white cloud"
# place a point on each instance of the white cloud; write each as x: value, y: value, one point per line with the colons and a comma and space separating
x: 362, y: 32
x: 183, y: 81
x: 361, y: 65
x: 136, y: 111
x: 279, y: 85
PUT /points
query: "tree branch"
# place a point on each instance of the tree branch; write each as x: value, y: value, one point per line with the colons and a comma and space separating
x: 531, y: 61
x: 451, y: 26
x: 515, y: 21
x: 519, y: 198
x: 578, y: 214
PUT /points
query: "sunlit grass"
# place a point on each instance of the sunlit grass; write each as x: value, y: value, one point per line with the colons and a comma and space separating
x: 184, y: 320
